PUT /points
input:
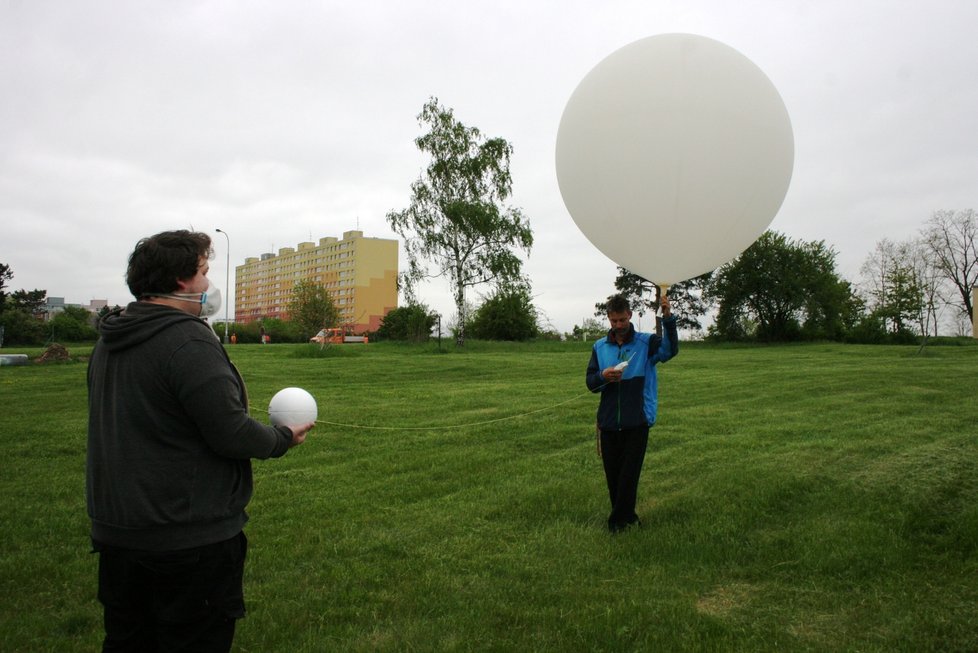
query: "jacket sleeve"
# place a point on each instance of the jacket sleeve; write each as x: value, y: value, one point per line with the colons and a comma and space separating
x: 211, y: 394
x: 594, y: 379
x: 669, y: 345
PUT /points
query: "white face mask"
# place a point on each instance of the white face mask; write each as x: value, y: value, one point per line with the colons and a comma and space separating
x: 210, y: 300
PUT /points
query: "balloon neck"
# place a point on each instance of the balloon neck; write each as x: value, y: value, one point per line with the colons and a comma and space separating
x: 663, y: 289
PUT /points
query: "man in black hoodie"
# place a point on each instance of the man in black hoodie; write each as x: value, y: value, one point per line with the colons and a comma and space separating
x: 170, y: 445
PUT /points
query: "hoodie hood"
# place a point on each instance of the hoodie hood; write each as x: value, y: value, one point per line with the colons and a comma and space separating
x: 138, y: 322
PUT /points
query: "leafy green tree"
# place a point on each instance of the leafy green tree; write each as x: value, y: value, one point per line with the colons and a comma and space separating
x: 247, y: 332
x: 895, y: 295
x: 6, y: 274
x: 30, y: 301
x: 931, y: 281
x: 686, y: 297
x: 21, y: 328
x: 22, y: 315
x: 832, y: 307
x: 73, y: 324
x: 589, y: 329
x: 456, y: 219
x: 508, y: 314
x: 776, y: 287
x: 833, y: 311
x: 411, y: 323
x: 868, y: 330
x: 311, y: 308
x: 900, y: 302
x: 278, y: 331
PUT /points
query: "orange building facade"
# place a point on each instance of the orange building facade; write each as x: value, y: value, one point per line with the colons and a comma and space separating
x: 359, y: 273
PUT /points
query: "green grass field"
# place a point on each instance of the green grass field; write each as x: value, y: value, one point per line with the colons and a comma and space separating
x: 794, y: 498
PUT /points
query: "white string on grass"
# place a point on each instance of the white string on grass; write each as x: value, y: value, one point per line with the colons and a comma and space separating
x: 453, y: 426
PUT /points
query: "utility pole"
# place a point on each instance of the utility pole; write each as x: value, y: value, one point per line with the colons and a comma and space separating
x: 227, y: 286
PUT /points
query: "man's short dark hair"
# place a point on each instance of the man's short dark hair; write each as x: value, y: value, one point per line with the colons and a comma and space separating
x: 617, y: 304
x: 158, y: 261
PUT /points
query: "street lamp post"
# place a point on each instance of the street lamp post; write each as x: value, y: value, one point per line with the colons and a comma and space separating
x: 227, y: 286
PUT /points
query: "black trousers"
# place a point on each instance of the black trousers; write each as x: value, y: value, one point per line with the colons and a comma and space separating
x: 188, y: 600
x: 623, y: 453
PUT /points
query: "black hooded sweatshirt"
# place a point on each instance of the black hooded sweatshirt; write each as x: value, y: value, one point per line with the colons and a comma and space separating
x: 170, y: 441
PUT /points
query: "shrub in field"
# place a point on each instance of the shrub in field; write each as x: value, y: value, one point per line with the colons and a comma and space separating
x: 411, y: 323
x: 73, y: 324
x: 21, y: 328
x: 278, y: 331
x: 509, y: 314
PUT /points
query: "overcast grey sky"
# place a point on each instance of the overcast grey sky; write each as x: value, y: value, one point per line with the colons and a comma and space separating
x: 285, y: 121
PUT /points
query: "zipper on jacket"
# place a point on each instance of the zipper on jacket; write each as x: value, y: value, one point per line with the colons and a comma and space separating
x: 620, y: 358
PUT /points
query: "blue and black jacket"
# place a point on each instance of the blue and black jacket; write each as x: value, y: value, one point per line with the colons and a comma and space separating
x: 633, y: 401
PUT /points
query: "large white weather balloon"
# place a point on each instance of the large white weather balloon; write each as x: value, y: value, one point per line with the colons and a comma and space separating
x: 673, y: 155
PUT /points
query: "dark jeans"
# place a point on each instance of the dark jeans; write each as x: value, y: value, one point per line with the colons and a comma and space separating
x: 623, y: 453
x: 172, y: 601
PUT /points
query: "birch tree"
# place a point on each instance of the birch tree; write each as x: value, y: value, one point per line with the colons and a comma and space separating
x: 457, y: 225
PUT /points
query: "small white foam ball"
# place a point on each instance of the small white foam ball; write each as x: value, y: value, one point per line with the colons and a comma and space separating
x: 292, y: 407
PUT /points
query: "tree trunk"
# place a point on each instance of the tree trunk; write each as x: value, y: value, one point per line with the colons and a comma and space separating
x: 462, y: 317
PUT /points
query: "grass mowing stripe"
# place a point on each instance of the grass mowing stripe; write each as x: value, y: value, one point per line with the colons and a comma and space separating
x: 817, y: 497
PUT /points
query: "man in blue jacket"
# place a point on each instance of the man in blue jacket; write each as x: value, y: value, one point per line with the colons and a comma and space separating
x: 622, y: 368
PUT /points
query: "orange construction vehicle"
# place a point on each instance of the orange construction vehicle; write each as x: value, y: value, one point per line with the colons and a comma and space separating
x: 336, y: 337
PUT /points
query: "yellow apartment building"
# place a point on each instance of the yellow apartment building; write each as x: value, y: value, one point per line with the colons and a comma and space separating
x: 359, y: 273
